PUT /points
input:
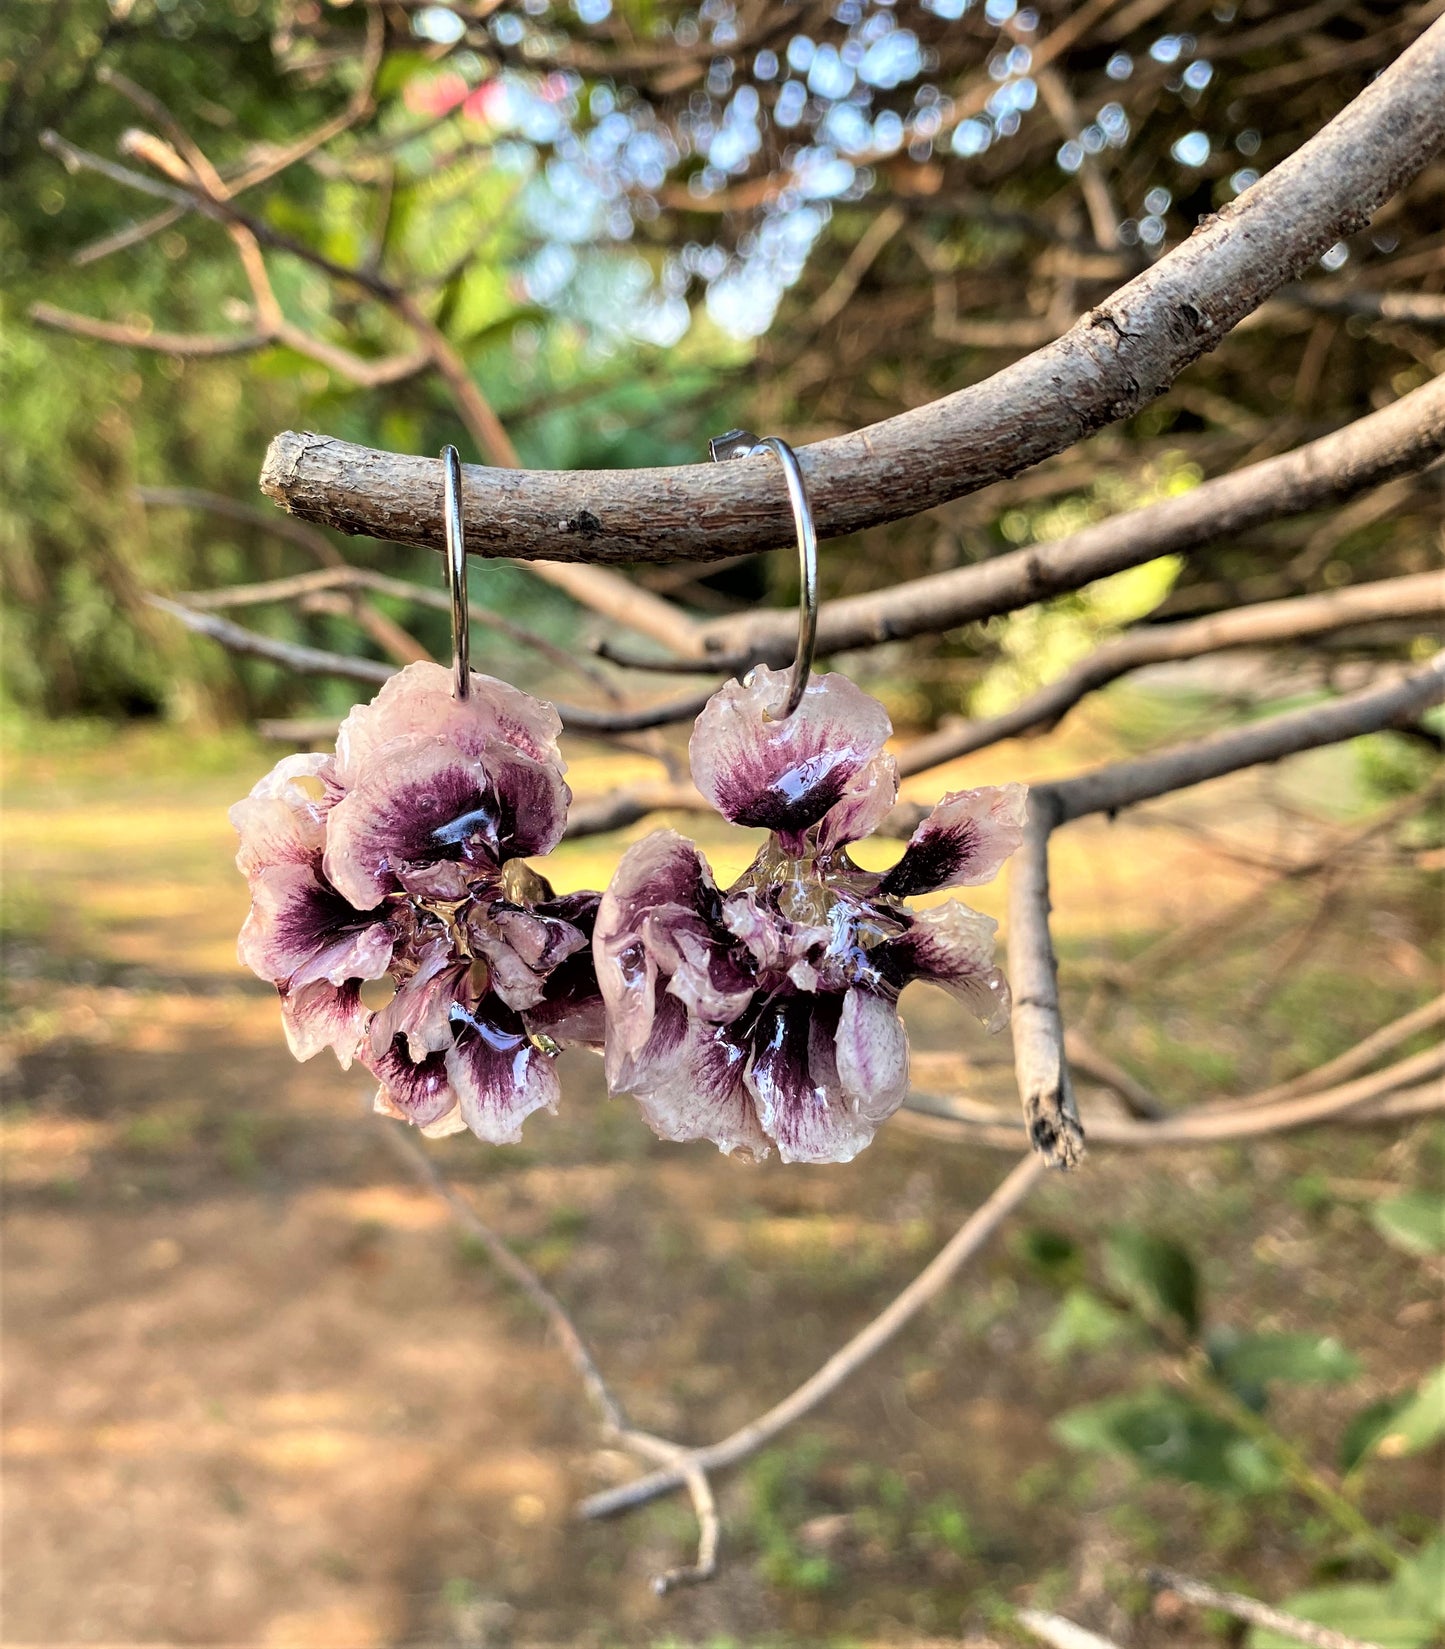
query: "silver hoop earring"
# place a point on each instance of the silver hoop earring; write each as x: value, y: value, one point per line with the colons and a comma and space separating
x: 456, y: 552
x: 742, y: 443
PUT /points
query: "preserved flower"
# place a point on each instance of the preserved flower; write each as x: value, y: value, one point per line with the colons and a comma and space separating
x: 767, y: 1016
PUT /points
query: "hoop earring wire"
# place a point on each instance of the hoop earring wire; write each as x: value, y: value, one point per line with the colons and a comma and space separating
x: 742, y: 443
x: 456, y: 550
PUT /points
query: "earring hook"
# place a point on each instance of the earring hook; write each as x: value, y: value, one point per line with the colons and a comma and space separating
x: 742, y: 443
x: 457, y: 571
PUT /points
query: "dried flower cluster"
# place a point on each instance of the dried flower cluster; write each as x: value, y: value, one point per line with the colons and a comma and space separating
x: 401, y: 857
x: 764, y: 1017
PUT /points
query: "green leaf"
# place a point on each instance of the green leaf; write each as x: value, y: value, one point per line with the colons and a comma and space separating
x: 1083, y: 1322
x: 1366, y: 1430
x: 1256, y: 1359
x: 1414, y: 1221
x: 1419, y: 1423
x: 1419, y: 1582
x: 1054, y: 1253
x: 398, y: 68
x: 1376, y: 1614
x: 1156, y: 1275
x: 1166, y: 1435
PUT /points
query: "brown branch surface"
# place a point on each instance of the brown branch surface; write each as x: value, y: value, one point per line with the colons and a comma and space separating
x: 1041, y: 1069
x: 1118, y: 357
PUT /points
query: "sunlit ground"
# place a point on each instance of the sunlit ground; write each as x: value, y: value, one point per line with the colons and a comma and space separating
x: 258, y: 1390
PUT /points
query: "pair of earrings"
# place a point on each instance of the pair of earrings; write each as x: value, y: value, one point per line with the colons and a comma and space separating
x: 761, y: 1017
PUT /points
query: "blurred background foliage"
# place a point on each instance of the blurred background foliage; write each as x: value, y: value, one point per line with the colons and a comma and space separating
x: 638, y: 224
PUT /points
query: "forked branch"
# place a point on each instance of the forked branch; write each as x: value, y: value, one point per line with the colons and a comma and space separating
x: 1040, y: 1064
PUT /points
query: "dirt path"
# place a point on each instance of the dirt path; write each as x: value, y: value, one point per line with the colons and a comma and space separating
x: 259, y: 1393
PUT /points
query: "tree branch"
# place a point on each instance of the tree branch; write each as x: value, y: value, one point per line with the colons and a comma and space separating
x: 965, y: 1243
x: 348, y: 577
x: 314, y: 661
x: 196, y: 184
x: 1402, y: 438
x: 610, y: 1413
x: 1253, y: 1611
x: 1042, y: 1069
x: 1272, y: 622
x: 1125, y: 784
x: 1221, y: 1121
x: 1117, y: 358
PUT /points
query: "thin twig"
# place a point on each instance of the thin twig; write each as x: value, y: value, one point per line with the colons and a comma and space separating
x: 383, y: 629
x: 199, y: 187
x: 1417, y: 595
x: 610, y: 1413
x: 1361, y: 1056
x: 1059, y: 1633
x: 348, y: 576
x: 599, y: 1394
x: 315, y: 661
x: 965, y: 1243
x: 1252, y: 1610
x: 1041, y: 1068
x: 1221, y: 1122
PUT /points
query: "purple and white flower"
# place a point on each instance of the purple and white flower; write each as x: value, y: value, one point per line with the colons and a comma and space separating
x: 767, y: 1016
x: 401, y: 857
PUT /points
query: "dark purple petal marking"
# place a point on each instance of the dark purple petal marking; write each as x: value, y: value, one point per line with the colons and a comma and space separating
x: 784, y: 775
x: 418, y: 1091
x: 793, y: 1078
x: 952, y: 946
x: 863, y: 806
x: 322, y: 1015
x: 300, y: 929
x: 580, y: 909
x: 963, y: 842
x: 422, y: 803
x: 688, y: 1082
x: 571, y: 1009
x: 499, y: 1074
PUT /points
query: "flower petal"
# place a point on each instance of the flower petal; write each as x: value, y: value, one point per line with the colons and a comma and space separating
x: 282, y: 822
x: 963, y: 842
x: 571, y: 1009
x: 704, y: 974
x: 421, y: 802
x: 863, y: 806
x: 662, y: 870
x: 952, y: 946
x: 418, y: 700
x: 784, y: 775
x: 499, y: 1074
x: 300, y: 930
x: 420, y: 1012
x: 417, y: 1091
x: 872, y: 1054
x: 794, y: 1080
x: 322, y: 1015
x: 688, y: 1081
